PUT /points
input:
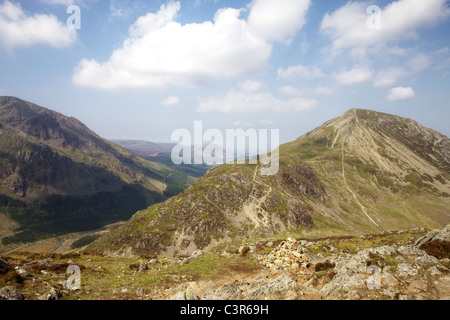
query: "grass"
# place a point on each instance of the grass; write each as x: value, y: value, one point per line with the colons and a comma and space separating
x: 104, y: 278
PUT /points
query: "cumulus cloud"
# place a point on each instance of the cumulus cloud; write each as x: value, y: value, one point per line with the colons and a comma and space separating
x: 250, y: 86
x: 415, y: 65
x: 300, y: 71
x: 171, y: 101
x: 160, y: 51
x: 276, y: 20
x: 401, y: 93
x: 354, y: 76
x: 347, y: 26
x: 389, y: 77
x: 17, y: 29
x: 244, y: 102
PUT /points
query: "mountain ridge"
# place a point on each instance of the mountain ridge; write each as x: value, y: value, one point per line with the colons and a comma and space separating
x: 57, y: 175
x: 358, y: 173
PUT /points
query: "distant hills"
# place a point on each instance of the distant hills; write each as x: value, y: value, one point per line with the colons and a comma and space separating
x: 363, y: 172
x: 162, y: 153
x: 58, y: 176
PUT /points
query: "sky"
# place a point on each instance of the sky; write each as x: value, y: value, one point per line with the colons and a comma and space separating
x: 142, y: 69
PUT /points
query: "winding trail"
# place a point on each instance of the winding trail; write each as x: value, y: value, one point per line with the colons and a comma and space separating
x: 253, y: 207
x: 350, y: 190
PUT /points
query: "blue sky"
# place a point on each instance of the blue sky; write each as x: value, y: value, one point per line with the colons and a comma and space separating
x: 141, y: 69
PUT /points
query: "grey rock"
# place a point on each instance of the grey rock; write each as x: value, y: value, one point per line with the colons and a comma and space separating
x: 53, y: 294
x: 443, y: 286
x: 140, y: 292
x: 4, y: 266
x: 196, y: 254
x: 153, y: 262
x: 351, y: 274
x: 184, y: 296
x: 426, y: 260
x: 10, y: 293
x: 276, y: 289
x: 418, y: 286
x: 405, y: 269
x: 228, y: 292
x: 143, y: 266
x: 384, y: 251
x: 441, y: 234
x: 410, y: 251
x: 312, y: 258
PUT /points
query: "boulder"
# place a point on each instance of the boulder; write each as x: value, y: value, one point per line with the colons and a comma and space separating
x: 143, y: 266
x: 411, y: 251
x: 10, y: 293
x: 184, y: 296
x: 441, y: 234
x: 227, y: 292
x: 405, y: 269
x: 4, y: 266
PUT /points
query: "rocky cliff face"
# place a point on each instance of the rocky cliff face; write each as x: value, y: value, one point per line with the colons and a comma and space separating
x: 56, y: 175
x: 362, y: 172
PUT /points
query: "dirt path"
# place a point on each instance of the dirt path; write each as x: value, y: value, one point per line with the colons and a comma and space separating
x: 350, y: 190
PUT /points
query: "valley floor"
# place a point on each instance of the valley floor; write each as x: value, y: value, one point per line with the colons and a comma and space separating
x: 388, y: 266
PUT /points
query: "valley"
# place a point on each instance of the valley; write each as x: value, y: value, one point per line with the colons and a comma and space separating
x: 366, y: 189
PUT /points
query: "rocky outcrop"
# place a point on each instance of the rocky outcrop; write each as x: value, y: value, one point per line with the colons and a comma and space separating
x: 10, y: 293
x: 280, y: 288
x: 4, y: 267
x: 441, y: 234
x: 291, y: 255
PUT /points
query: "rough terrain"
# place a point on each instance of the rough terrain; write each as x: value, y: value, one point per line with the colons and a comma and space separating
x: 398, y: 265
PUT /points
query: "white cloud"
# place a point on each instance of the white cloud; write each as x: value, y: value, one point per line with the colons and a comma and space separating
x: 300, y: 71
x: 347, y: 26
x: 161, y: 51
x: 389, y: 77
x: 17, y: 29
x: 401, y: 93
x: 298, y: 92
x: 354, y: 76
x: 278, y: 20
x: 250, y: 86
x: 171, y: 101
x: 292, y: 91
x: 417, y: 64
x: 121, y: 9
x: 323, y: 91
x: 243, y: 102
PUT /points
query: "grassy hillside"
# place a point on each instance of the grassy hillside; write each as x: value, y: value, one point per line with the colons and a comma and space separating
x: 57, y: 176
x: 364, y: 172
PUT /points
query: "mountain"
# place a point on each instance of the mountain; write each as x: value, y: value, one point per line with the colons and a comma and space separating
x: 162, y: 153
x: 363, y: 172
x: 146, y: 148
x: 57, y: 176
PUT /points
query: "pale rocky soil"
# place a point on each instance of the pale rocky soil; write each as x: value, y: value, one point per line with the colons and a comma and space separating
x: 294, y: 273
x: 390, y: 266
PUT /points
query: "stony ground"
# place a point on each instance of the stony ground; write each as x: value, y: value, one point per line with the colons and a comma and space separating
x: 400, y: 265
